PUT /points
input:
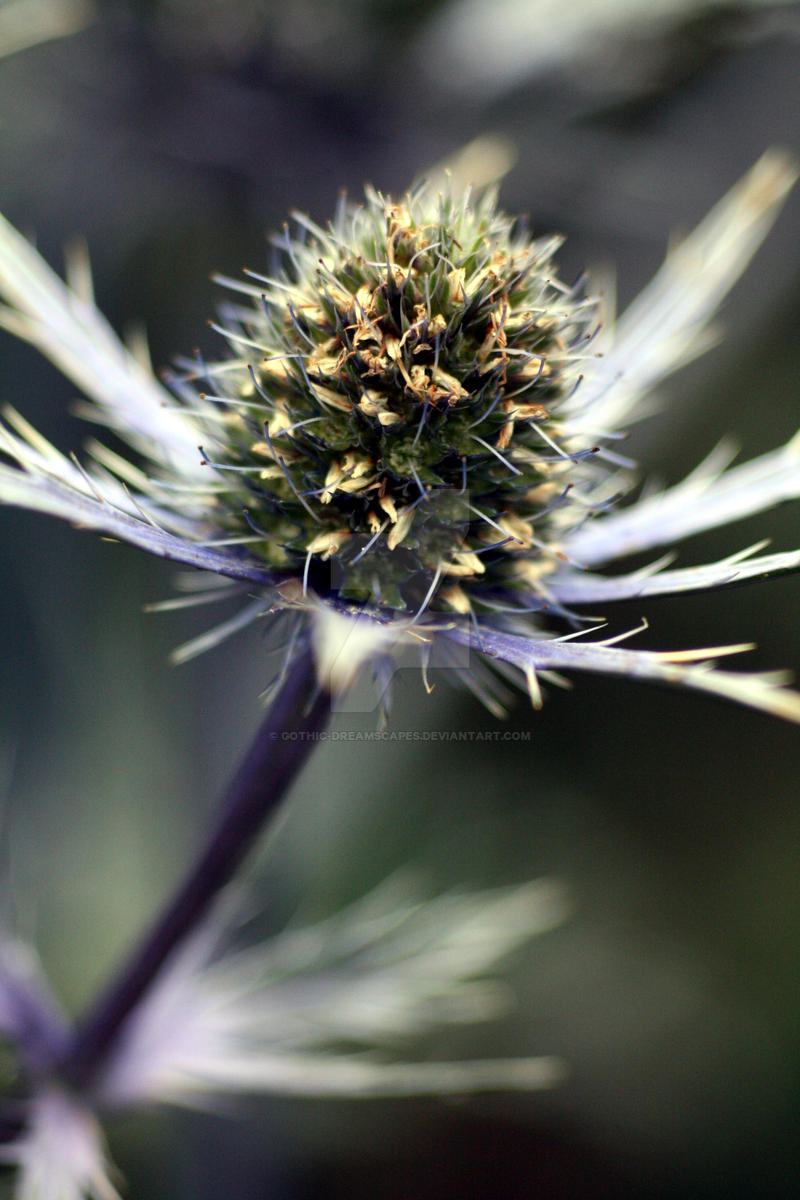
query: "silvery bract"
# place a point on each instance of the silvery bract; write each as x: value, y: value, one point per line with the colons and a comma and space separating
x: 319, y: 1010
x: 413, y: 441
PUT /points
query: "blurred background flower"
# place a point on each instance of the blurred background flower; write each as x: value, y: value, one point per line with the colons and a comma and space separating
x: 323, y: 1010
x: 172, y: 136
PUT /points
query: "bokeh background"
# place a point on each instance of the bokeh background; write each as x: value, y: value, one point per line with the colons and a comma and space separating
x: 172, y: 135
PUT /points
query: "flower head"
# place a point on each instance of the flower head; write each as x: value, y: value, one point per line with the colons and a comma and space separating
x: 400, y: 422
x: 411, y: 428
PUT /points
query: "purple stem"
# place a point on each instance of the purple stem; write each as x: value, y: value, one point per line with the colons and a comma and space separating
x: 281, y: 746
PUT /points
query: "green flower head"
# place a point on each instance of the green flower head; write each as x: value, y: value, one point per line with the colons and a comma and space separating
x: 399, y: 422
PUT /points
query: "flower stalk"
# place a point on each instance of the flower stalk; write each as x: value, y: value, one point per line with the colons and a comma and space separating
x: 277, y: 754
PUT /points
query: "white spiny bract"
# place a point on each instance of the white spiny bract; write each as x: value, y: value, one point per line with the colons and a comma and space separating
x: 412, y: 439
x: 330, y: 1009
x: 326, y: 1010
x: 61, y: 1155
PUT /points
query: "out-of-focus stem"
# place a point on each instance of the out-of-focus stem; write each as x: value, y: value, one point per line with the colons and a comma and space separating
x: 300, y: 710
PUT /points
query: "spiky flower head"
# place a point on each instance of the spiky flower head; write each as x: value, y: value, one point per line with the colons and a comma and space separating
x: 400, y: 423
x: 410, y: 435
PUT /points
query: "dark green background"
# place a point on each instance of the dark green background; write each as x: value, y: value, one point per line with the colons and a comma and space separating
x: 173, y: 135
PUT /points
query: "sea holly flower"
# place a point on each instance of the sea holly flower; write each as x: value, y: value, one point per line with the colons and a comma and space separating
x: 414, y: 439
x: 411, y: 441
x: 323, y: 1010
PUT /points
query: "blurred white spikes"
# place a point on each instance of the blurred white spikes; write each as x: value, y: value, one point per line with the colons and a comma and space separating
x: 667, y: 324
x: 29, y: 1016
x: 61, y: 1155
x: 481, y: 163
x: 276, y: 1018
x: 387, y: 968
x: 62, y: 322
x: 498, y: 46
x: 25, y: 23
